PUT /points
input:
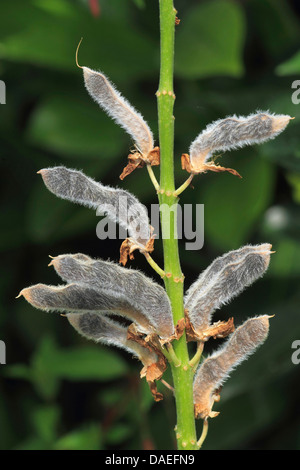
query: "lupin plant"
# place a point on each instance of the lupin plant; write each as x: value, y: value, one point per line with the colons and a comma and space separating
x: 163, y: 320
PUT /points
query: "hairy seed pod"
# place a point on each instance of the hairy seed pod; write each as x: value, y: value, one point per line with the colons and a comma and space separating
x: 234, y: 132
x: 223, y: 280
x: 120, y: 205
x: 80, y: 298
x: 214, y: 370
x: 118, y: 108
x: 104, y: 330
x: 100, y: 286
x: 143, y: 294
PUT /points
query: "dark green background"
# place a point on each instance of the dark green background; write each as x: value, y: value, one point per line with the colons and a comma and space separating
x: 58, y: 391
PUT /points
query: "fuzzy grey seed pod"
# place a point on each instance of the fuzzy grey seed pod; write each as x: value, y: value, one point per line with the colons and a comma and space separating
x: 131, y: 285
x: 120, y: 205
x: 234, y: 132
x: 214, y: 370
x: 118, y: 108
x: 223, y: 280
x: 77, y: 298
x: 97, y: 285
x: 106, y: 331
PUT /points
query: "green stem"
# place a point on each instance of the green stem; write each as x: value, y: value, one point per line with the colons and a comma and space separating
x: 195, y: 360
x: 155, y: 265
x: 184, y: 186
x: 183, y: 375
x: 204, y: 433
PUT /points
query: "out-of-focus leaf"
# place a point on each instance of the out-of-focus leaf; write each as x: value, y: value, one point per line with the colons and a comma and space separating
x: 49, y: 217
x: 76, y: 128
x: 6, y: 422
x: 18, y: 371
x: 32, y: 443
x: 269, y: 16
x: 139, y: 3
x: 290, y: 66
x: 45, y: 382
x: 87, y: 363
x: 51, y: 364
x: 87, y: 438
x: 110, y: 397
x: 294, y: 181
x: 33, y: 35
x: 56, y: 7
x: 79, y: 363
x: 286, y: 263
x: 209, y: 40
x: 45, y: 420
x: 118, y: 433
x: 233, y: 205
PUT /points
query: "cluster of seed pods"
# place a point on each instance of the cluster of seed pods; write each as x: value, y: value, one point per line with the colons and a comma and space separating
x: 96, y: 293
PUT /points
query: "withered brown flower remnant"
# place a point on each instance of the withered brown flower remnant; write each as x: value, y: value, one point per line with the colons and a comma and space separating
x: 214, y: 370
x: 229, y: 134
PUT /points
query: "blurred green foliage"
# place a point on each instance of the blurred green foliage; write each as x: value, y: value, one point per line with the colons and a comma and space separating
x: 57, y: 390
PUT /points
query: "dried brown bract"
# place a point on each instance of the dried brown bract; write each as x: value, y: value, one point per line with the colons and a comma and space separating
x: 136, y: 161
x: 129, y: 245
x: 154, y: 371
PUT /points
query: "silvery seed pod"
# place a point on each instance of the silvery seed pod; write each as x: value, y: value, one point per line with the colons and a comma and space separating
x: 118, y: 108
x: 98, y: 286
x: 120, y: 205
x: 223, y: 280
x: 231, y: 133
x: 214, y: 370
x: 104, y: 330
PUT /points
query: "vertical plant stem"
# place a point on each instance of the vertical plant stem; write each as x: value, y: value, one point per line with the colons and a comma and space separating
x: 182, y: 375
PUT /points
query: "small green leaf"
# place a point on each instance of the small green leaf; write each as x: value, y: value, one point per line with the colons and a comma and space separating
x: 45, y: 420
